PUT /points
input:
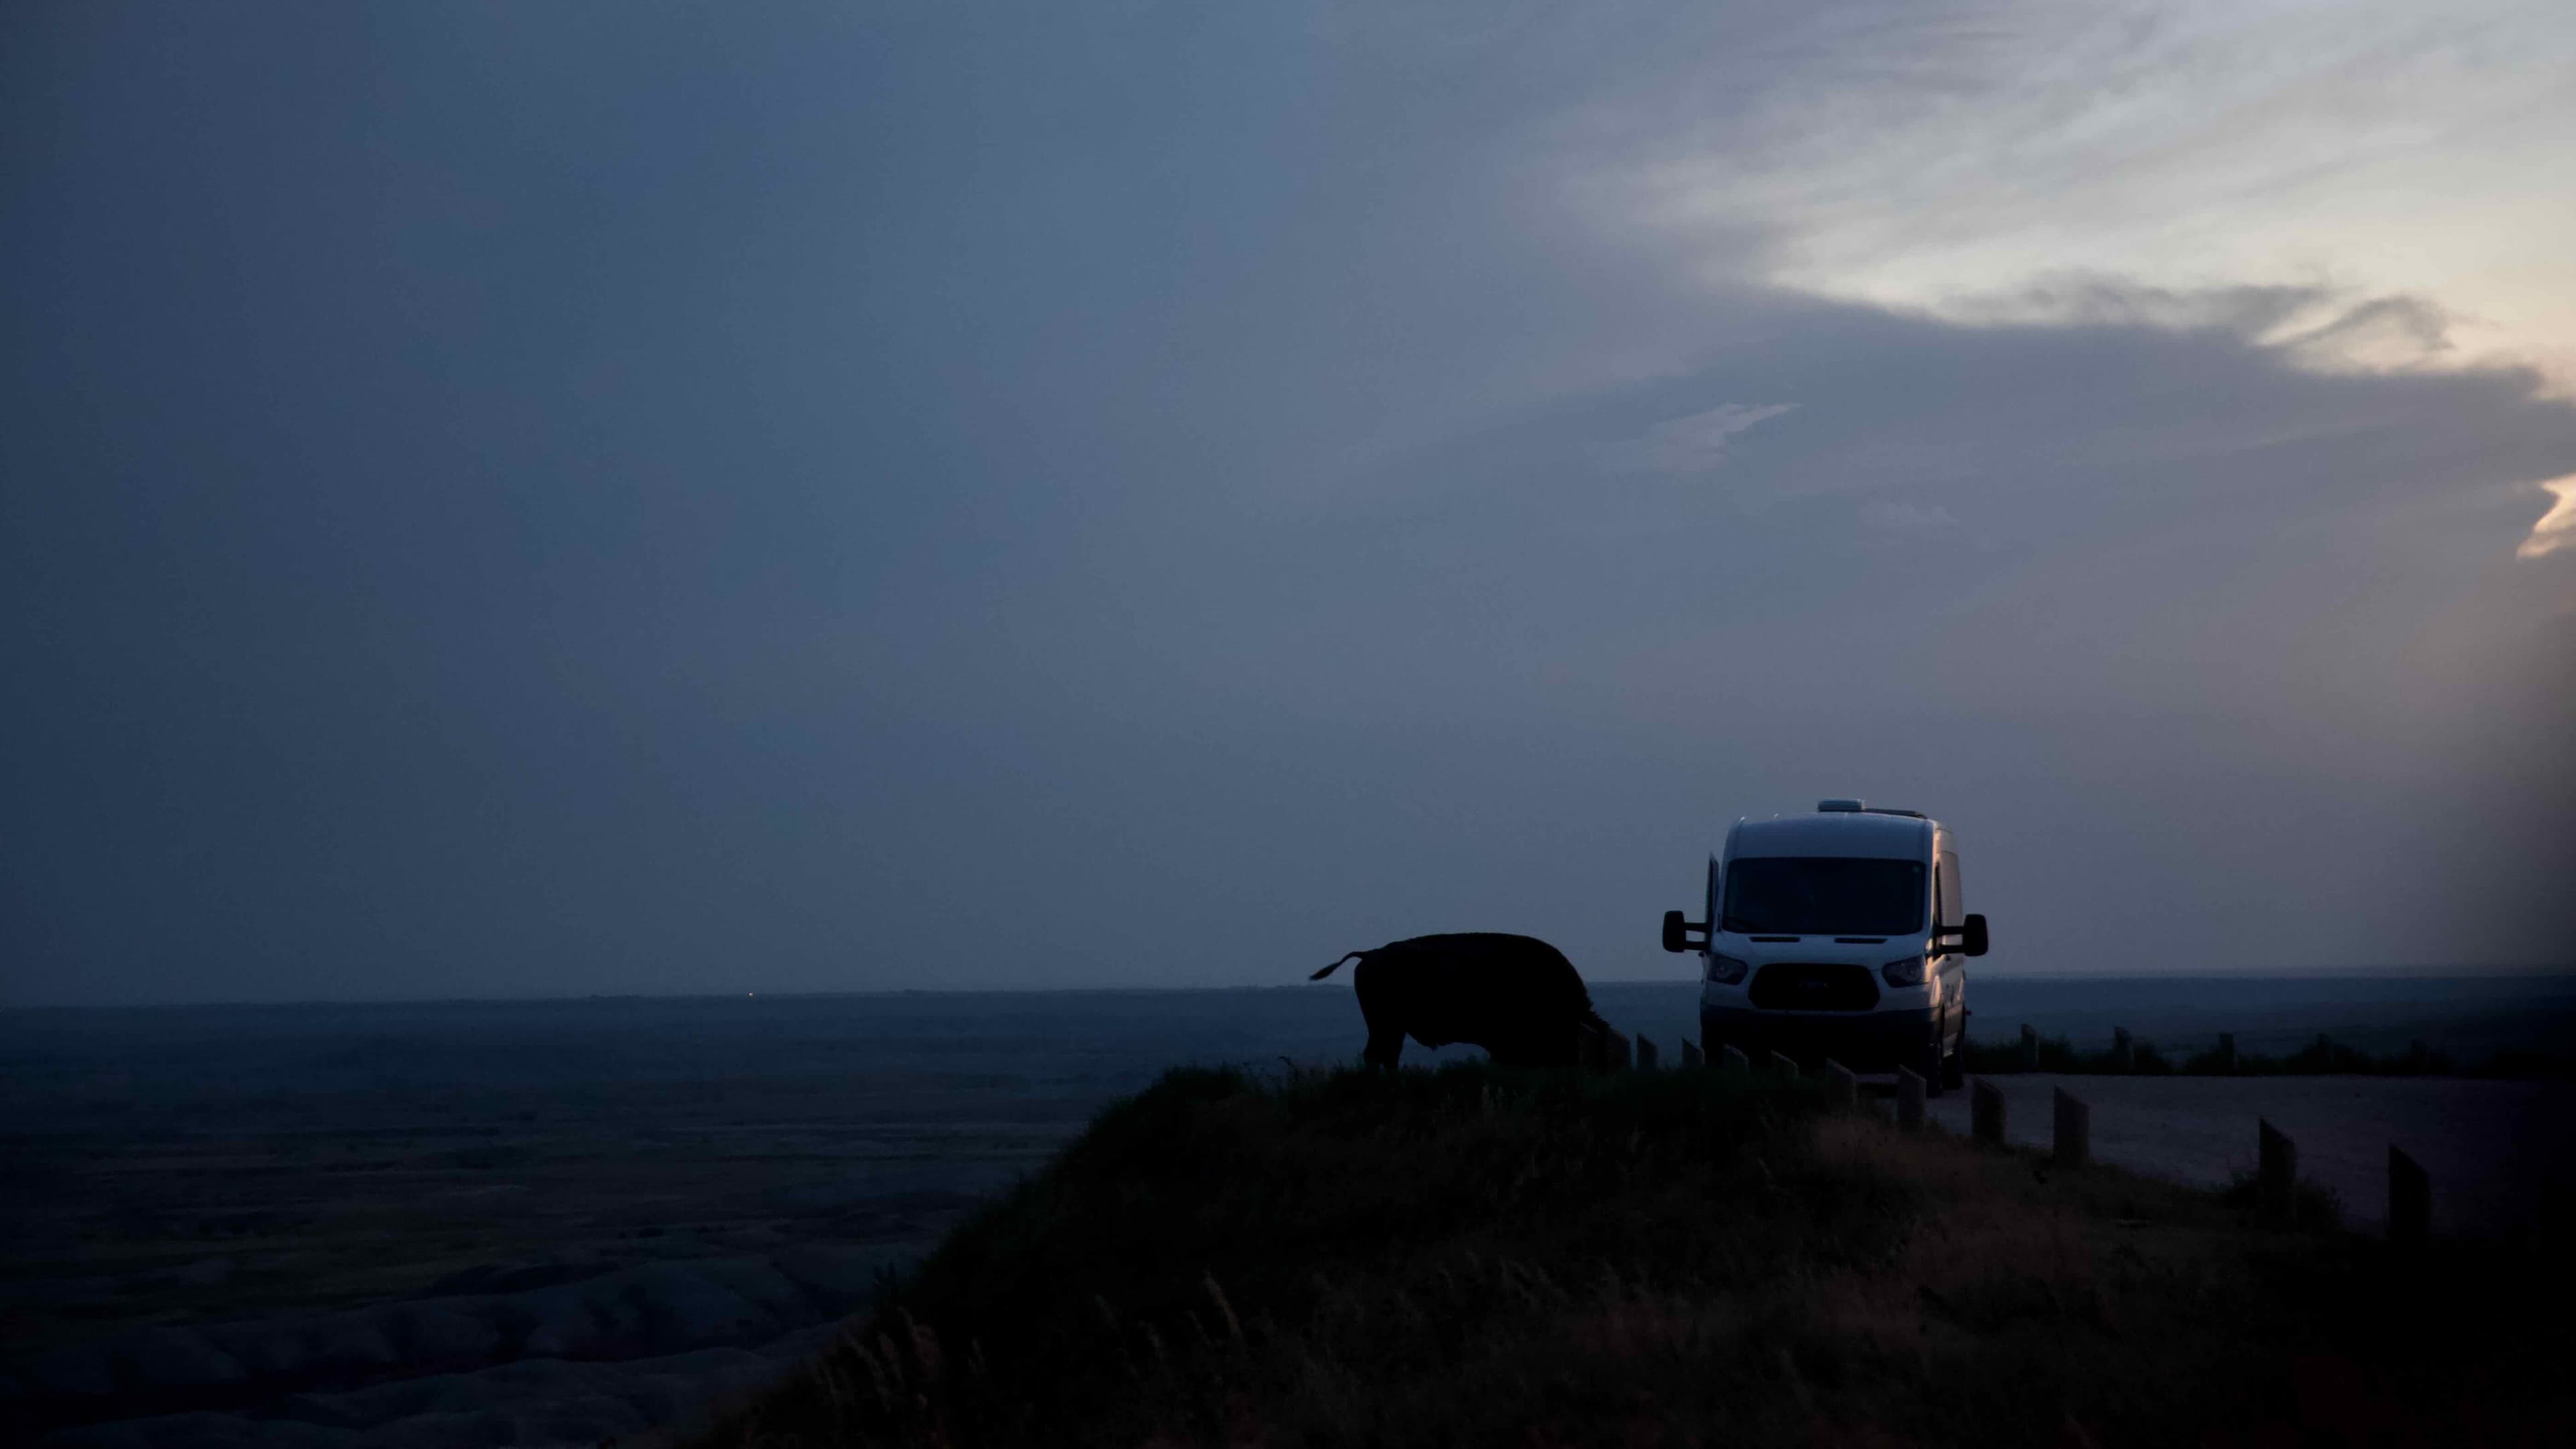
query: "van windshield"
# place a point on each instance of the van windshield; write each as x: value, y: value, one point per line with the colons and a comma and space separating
x: 1823, y: 896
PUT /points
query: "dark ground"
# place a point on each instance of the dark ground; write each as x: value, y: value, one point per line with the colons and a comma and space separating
x: 1549, y: 1258
x: 535, y: 1223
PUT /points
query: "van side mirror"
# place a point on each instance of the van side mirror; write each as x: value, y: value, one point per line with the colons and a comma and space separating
x: 1677, y: 932
x: 1974, y: 927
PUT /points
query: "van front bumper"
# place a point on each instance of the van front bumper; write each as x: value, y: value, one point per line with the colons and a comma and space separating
x: 1865, y: 1041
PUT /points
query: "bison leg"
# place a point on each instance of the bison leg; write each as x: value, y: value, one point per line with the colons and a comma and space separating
x: 1386, y: 1032
x: 1383, y: 1049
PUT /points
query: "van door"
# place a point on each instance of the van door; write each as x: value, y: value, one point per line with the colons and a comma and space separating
x: 1710, y: 915
x: 1950, y: 913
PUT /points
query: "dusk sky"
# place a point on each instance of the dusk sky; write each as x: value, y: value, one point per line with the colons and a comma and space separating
x: 547, y: 499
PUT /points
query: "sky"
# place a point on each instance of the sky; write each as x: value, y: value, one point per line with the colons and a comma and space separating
x: 503, y: 501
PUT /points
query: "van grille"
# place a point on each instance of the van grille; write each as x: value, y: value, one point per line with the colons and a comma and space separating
x: 1814, y: 986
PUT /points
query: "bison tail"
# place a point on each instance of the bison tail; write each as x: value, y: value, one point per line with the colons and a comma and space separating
x: 1329, y: 970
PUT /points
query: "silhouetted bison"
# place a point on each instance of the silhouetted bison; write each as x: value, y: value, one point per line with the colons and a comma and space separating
x: 1516, y: 997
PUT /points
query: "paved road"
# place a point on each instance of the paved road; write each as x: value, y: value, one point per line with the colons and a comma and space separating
x: 2502, y: 1155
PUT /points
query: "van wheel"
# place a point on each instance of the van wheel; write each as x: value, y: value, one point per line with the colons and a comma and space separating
x: 1932, y: 1069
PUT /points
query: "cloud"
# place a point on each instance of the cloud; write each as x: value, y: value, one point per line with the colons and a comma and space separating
x: 1139, y: 495
x: 1941, y: 160
x: 2557, y: 528
x: 1694, y: 444
x: 2324, y: 328
x: 2206, y: 586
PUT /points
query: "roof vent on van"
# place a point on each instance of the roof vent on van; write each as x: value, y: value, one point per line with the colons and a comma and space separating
x: 1839, y: 807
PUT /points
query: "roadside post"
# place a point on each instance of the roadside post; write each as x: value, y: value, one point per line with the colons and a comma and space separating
x: 1732, y: 1061
x: 1785, y: 1065
x: 1985, y: 1111
x: 1842, y: 1088
x: 1618, y: 1050
x: 1691, y: 1054
x: 2277, y: 1172
x: 2074, y: 1146
x: 1909, y: 1099
x: 1646, y: 1054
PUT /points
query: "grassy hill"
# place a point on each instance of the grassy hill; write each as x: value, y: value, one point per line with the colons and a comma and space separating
x: 1653, y: 1258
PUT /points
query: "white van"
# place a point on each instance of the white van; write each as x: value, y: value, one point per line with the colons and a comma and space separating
x: 1838, y: 934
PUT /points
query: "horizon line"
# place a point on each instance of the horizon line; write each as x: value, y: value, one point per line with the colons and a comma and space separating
x: 2321, y: 973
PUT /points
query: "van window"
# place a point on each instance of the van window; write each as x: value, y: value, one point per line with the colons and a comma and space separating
x: 1823, y: 896
x: 1951, y: 900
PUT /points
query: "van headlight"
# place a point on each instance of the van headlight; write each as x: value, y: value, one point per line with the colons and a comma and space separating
x: 1725, y: 970
x: 1908, y: 972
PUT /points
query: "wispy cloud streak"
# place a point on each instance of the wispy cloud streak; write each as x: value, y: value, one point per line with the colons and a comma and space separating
x: 2556, y: 529
x: 1693, y: 444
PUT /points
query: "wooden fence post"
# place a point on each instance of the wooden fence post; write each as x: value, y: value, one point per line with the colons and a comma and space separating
x: 1590, y: 1046
x: 2277, y: 1172
x: 1647, y: 1056
x: 1986, y: 1112
x: 1842, y: 1088
x: 1909, y: 1099
x: 1785, y: 1065
x: 2074, y: 1131
x: 1691, y: 1054
x: 2029, y: 1047
x: 1618, y: 1050
x: 1732, y: 1061
x: 2410, y: 1200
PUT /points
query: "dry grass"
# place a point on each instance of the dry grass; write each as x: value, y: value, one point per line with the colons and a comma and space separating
x: 1482, y: 1257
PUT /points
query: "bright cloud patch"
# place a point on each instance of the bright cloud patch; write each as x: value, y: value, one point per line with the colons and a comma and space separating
x: 1692, y: 444
x: 2557, y: 528
x: 1959, y: 160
